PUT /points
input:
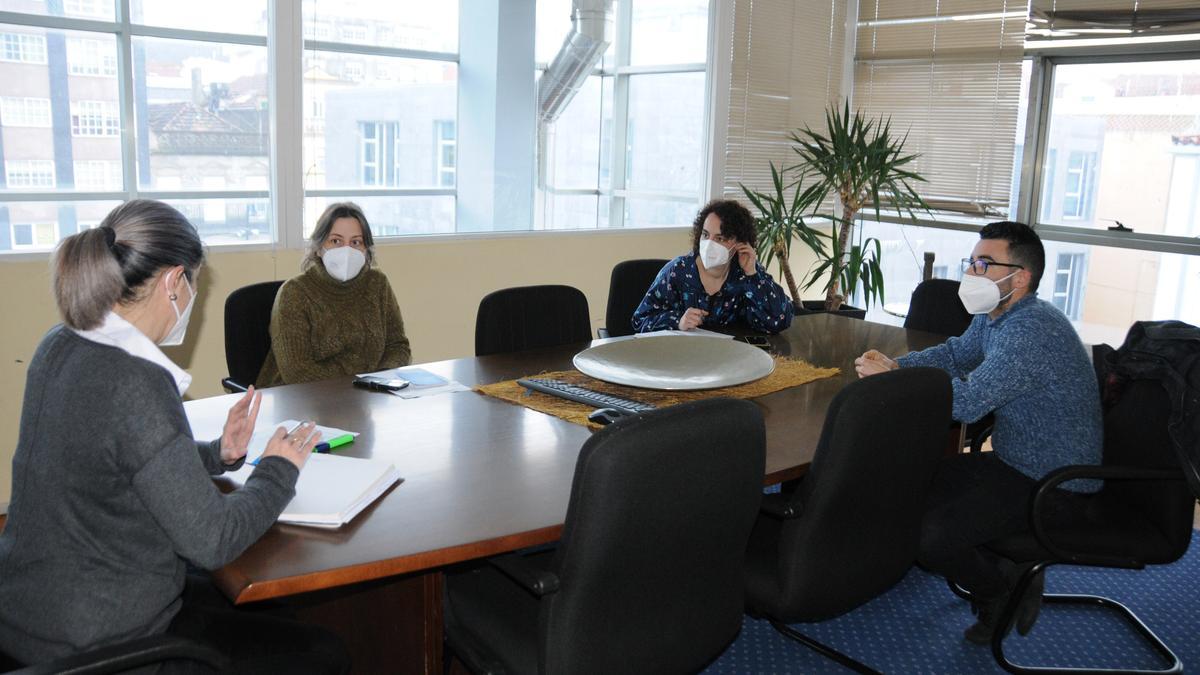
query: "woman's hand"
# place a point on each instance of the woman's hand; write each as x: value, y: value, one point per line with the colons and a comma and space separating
x: 873, y: 362
x: 746, y: 257
x: 692, y: 318
x: 239, y: 426
x: 294, y: 447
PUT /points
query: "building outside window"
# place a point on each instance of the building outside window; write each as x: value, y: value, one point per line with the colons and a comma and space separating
x: 22, y: 48
x: 95, y: 118
x: 25, y: 112
x: 1077, y: 192
x: 98, y: 175
x: 92, y: 57
x: 29, y: 173
x: 1068, y: 283
x: 33, y: 235
x: 445, y: 153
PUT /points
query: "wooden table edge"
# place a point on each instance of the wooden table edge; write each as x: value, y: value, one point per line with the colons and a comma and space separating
x: 242, y: 590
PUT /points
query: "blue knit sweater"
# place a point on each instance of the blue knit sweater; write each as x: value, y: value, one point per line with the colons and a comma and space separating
x: 1029, y: 368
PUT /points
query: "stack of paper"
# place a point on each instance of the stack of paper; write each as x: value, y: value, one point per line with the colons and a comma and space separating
x: 695, y: 332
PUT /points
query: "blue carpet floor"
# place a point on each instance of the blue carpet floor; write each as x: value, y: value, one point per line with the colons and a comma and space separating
x: 916, y: 627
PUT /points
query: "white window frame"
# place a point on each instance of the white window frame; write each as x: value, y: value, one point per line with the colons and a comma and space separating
x: 616, y: 76
x: 36, y: 174
x: 33, y: 230
x: 92, y: 119
x: 29, y: 48
x: 91, y: 58
x: 25, y: 111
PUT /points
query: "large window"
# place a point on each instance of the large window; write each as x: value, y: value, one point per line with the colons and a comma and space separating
x: 629, y: 149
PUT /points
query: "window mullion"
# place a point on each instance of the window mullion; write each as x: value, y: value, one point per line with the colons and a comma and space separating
x: 125, y: 87
x: 620, y: 146
x: 1037, y: 116
x: 285, y: 73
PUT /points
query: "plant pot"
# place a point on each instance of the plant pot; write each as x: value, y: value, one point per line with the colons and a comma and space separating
x: 818, y: 307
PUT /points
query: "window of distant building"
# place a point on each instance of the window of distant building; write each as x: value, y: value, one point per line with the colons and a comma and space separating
x: 29, y: 173
x: 92, y: 57
x: 447, y: 147
x: 25, y: 112
x: 33, y: 235
x: 1068, y: 283
x: 95, y: 118
x: 22, y: 48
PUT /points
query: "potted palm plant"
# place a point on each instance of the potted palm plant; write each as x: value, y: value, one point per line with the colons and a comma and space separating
x: 862, y: 163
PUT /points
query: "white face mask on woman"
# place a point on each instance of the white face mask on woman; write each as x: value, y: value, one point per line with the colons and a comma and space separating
x: 981, y: 295
x: 344, y: 262
x: 713, y: 254
x: 175, y: 337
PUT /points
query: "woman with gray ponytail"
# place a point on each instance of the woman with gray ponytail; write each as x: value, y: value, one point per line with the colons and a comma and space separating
x: 112, y: 498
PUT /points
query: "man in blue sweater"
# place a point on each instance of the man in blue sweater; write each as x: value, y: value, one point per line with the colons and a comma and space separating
x: 1022, y: 360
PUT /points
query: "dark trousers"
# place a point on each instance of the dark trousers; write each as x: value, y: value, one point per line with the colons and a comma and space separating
x: 976, y: 498
x: 255, y: 641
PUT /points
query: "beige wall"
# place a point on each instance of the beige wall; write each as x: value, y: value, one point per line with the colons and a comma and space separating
x: 438, y: 284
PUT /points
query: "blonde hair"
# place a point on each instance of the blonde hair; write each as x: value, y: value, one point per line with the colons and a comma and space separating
x: 325, y: 225
x: 98, y: 268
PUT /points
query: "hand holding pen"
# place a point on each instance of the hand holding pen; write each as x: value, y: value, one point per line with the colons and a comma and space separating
x: 295, y: 445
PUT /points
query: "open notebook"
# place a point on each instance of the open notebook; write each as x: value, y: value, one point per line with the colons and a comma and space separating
x: 332, y: 488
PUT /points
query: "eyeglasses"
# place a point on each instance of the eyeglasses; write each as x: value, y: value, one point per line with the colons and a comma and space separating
x: 980, y: 266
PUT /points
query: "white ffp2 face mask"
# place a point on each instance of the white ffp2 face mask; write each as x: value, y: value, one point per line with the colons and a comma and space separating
x: 713, y: 254
x: 980, y: 295
x: 344, y: 262
x: 175, y: 337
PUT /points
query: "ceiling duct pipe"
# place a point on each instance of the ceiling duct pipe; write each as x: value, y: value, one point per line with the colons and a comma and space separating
x: 591, y: 33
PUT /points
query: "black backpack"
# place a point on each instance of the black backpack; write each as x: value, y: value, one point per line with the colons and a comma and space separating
x: 1168, y: 352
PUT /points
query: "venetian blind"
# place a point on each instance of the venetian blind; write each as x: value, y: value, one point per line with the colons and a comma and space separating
x: 787, y: 60
x: 1074, y: 19
x: 947, y: 73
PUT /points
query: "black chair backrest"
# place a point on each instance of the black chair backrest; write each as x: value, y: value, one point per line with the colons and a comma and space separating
x: 628, y: 285
x: 247, y: 330
x: 650, y: 560
x: 1135, y: 434
x: 529, y: 317
x: 935, y: 308
x: 863, y: 497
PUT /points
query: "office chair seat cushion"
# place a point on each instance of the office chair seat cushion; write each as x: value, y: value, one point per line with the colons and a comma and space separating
x: 485, y: 607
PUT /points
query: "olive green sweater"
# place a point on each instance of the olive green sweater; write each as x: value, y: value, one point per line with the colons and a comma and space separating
x: 323, y: 328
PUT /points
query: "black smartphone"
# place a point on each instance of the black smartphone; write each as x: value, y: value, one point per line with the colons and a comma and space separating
x: 759, y: 341
x: 380, y: 383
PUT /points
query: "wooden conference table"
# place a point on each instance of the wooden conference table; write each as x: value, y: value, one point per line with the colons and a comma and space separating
x: 481, y: 477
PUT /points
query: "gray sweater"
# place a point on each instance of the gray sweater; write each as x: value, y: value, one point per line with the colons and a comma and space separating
x: 111, y: 495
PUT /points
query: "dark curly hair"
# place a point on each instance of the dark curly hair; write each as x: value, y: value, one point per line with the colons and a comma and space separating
x: 736, y: 222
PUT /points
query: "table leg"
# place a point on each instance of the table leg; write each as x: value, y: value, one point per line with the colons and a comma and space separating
x: 389, y: 625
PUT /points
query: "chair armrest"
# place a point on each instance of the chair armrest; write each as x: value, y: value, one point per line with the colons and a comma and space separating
x: 780, y: 506
x: 537, y: 581
x: 132, y: 654
x: 979, y: 438
x: 231, y: 386
x: 1105, y: 472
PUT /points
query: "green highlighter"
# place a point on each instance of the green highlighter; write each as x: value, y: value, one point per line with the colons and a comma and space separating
x: 336, y: 442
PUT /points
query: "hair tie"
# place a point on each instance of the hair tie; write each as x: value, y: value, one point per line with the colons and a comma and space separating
x: 110, y: 237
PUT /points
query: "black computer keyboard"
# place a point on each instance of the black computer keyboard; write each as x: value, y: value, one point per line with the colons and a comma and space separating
x: 581, y: 395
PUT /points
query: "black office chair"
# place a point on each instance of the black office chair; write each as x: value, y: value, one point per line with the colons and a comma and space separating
x: 1141, y: 516
x: 123, y: 657
x: 628, y: 285
x: 247, y: 333
x: 935, y: 308
x: 530, y: 317
x: 646, y: 577
x: 851, y: 529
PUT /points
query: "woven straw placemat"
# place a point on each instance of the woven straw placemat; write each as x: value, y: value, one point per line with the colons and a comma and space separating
x: 787, y: 373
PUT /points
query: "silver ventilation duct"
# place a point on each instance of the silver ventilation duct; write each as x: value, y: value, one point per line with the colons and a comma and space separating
x: 591, y: 33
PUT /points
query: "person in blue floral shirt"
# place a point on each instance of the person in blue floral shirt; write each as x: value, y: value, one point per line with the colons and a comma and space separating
x: 719, y: 282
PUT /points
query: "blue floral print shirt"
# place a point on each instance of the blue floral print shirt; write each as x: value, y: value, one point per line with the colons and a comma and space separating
x: 757, y: 300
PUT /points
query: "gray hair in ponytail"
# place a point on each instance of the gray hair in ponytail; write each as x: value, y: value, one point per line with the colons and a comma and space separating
x: 98, y: 268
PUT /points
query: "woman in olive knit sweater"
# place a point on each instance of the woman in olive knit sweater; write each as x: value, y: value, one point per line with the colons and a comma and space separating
x: 339, y: 317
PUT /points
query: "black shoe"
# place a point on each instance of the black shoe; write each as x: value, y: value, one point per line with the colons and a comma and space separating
x: 1031, y: 603
x: 988, y: 613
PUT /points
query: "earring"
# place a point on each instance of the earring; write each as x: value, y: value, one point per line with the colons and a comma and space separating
x: 173, y: 297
